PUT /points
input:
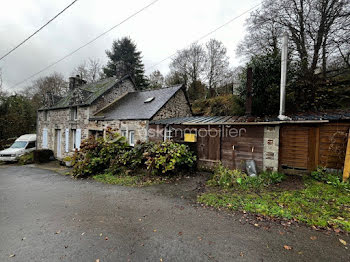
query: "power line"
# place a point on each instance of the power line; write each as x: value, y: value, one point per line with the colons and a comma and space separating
x: 207, y: 34
x: 93, y: 40
x: 37, y: 31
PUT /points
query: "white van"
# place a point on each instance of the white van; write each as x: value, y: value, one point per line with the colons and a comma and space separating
x: 24, y: 144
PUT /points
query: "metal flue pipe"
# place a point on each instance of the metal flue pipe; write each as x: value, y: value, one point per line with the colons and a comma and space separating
x: 283, y: 77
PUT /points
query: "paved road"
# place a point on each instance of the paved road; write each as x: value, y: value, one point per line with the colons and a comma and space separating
x: 45, y: 216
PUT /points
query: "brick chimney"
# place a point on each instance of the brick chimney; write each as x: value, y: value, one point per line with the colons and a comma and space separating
x: 248, y: 102
x: 75, y: 81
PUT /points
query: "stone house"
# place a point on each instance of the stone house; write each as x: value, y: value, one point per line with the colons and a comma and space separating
x: 88, y: 109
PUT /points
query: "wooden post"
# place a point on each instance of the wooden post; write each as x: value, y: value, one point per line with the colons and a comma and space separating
x: 347, y: 161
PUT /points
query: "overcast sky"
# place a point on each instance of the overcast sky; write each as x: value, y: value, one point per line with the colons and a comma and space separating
x: 159, y: 31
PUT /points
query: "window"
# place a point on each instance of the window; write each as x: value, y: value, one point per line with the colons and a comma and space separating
x: 74, y: 138
x: 149, y: 100
x: 96, y: 133
x: 74, y: 113
x: 19, y: 144
x: 131, y: 138
x: 45, y: 115
x: 31, y: 145
x: 167, y: 133
x: 124, y: 133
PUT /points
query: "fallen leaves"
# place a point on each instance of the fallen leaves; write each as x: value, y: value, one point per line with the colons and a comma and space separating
x: 180, y: 233
x: 342, y: 241
x: 313, y: 237
x: 287, y: 247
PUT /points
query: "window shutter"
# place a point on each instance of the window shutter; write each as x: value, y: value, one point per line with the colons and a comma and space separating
x: 44, y: 138
x: 78, y: 139
x: 67, y: 140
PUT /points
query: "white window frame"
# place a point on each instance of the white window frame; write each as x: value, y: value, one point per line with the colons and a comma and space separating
x: 131, y: 138
x: 74, y: 113
x: 168, y: 133
x: 45, y: 138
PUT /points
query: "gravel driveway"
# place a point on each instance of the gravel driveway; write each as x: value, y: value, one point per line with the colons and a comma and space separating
x: 45, y: 216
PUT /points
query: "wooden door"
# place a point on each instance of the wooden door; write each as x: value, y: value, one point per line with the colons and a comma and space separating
x: 58, y: 143
x: 208, y: 144
x: 294, y: 147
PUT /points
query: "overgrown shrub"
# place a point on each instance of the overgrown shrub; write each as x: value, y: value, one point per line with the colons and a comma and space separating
x: 95, y: 155
x: 115, y: 156
x: 42, y: 155
x: 227, y: 178
x: 334, y: 179
x: 26, y: 159
x: 167, y: 157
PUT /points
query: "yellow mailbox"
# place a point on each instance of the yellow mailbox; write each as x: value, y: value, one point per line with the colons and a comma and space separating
x: 190, y: 137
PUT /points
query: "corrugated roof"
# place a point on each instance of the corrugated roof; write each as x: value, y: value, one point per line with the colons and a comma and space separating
x: 230, y: 120
x: 133, y: 106
x: 92, y: 91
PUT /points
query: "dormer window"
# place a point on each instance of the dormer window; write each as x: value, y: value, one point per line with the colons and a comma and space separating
x: 74, y: 113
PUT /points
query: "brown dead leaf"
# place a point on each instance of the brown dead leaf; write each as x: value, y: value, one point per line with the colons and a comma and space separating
x: 313, y: 237
x: 180, y: 233
x: 287, y: 247
x: 154, y: 230
x: 342, y: 241
x: 106, y: 238
x: 241, y: 254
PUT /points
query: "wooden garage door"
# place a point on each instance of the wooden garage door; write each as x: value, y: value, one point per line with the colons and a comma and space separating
x: 294, y: 149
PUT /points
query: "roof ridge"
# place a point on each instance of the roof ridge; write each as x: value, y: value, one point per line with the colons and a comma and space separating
x: 160, y: 88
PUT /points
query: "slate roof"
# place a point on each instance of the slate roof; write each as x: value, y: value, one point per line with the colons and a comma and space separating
x: 231, y: 120
x: 133, y: 107
x: 92, y: 91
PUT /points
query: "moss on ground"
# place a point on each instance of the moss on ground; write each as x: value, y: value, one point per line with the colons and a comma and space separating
x: 135, y: 180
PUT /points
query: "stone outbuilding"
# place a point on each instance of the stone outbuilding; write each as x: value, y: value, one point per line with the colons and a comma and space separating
x: 89, y: 109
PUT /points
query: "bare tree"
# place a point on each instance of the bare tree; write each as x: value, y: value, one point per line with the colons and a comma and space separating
x: 53, y: 86
x: 89, y: 70
x: 189, y: 64
x: 156, y: 79
x: 217, y: 64
x: 313, y: 25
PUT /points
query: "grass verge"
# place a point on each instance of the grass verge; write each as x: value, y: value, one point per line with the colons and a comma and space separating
x: 137, y: 180
x: 317, y: 204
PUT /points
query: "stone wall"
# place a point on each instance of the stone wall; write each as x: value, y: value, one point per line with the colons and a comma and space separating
x: 271, y: 148
x: 60, y: 119
x: 177, y: 106
x: 139, y: 127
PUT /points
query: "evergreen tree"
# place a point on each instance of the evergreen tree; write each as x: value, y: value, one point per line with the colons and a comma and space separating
x: 124, y: 59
